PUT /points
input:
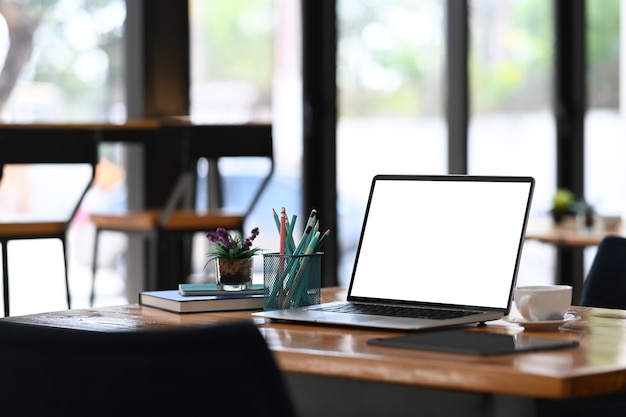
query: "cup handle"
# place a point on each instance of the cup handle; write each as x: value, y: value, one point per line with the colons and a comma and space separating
x: 524, y: 305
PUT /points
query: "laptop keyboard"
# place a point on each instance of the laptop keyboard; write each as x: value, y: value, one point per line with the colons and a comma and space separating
x: 397, y: 311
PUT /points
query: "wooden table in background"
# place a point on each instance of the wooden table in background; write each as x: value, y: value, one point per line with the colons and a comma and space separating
x: 570, y: 242
x: 333, y: 371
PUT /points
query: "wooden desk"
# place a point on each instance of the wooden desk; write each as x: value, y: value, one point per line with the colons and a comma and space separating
x: 544, y: 230
x: 332, y: 371
x: 132, y: 131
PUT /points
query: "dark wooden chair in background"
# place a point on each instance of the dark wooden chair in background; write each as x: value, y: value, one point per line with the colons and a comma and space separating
x: 21, y: 146
x: 180, y: 215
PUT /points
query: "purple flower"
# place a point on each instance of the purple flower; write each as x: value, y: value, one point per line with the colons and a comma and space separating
x: 212, y: 236
x: 247, y: 244
x: 229, y: 245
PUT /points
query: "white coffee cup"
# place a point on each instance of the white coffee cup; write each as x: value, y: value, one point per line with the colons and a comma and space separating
x: 543, y: 302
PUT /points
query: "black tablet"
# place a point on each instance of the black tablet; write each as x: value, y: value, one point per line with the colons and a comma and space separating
x: 473, y: 342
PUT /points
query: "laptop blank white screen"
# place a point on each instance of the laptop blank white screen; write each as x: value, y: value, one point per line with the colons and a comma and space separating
x: 442, y: 241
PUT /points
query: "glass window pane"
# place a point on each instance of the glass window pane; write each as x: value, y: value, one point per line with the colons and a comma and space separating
x: 605, y: 149
x: 63, y: 61
x: 390, y: 71
x: 511, y: 125
x: 245, y: 67
x: 512, y: 129
x: 231, y: 60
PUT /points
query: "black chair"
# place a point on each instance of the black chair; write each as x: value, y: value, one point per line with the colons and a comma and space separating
x: 22, y: 145
x: 605, y: 284
x: 225, y: 370
x: 180, y: 216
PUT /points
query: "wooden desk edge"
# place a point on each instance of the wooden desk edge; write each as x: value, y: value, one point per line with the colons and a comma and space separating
x: 443, y: 371
x: 344, y: 353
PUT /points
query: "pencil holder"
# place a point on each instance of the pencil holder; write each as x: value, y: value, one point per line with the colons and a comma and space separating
x: 291, y: 280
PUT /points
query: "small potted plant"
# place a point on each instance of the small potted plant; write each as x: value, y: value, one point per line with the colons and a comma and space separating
x: 563, y: 205
x: 233, y: 258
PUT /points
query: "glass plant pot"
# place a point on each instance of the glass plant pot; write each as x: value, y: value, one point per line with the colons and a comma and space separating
x: 234, y: 274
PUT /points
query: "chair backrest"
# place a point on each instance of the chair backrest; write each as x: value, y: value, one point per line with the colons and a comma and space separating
x: 61, y: 147
x: 184, y: 372
x: 216, y: 143
x: 605, y: 284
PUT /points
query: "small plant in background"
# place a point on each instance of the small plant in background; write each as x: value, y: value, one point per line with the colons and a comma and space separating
x: 563, y: 200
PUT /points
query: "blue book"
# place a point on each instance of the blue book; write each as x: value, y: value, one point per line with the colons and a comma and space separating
x: 212, y: 289
x: 172, y: 300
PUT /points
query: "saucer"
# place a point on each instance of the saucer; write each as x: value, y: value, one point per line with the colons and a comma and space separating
x: 542, y: 325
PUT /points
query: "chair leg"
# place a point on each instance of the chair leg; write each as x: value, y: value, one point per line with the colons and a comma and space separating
x: 94, y: 267
x: 153, y: 251
x: 5, y: 277
x: 67, y: 275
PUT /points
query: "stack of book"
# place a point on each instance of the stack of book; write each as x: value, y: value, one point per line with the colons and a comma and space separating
x: 195, y: 298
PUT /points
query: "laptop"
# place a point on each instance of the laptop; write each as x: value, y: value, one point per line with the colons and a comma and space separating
x: 434, y: 251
